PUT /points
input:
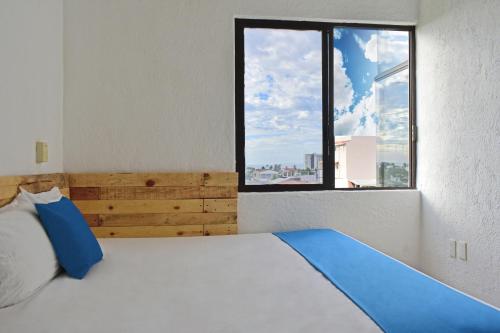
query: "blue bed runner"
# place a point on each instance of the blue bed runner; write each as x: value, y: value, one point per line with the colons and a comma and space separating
x: 396, y: 297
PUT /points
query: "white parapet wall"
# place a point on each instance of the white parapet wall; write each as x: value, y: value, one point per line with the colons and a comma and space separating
x: 386, y: 220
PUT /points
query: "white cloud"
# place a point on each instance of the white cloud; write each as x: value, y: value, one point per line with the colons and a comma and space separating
x: 342, y: 86
x: 371, y: 49
x: 279, y: 124
x: 287, y: 149
x: 284, y: 65
x: 337, y: 33
x: 361, y: 43
x: 350, y: 123
x: 393, y: 125
x: 283, y: 95
x: 386, y: 47
x: 302, y: 115
x: 392, y: 47
x: 368, y: 109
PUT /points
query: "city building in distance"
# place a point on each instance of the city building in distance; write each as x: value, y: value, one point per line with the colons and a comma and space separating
x: 360, y: 161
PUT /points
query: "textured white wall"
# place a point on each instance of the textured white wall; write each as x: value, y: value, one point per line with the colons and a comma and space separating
x: 31, y: 84
x: 149, y: 85
x: 458, y: 71
x: 387, y: 220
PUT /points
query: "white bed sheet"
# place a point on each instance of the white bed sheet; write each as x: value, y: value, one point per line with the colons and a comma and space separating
x: 244, y: 283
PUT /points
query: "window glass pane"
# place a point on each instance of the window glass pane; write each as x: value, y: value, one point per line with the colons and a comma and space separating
x: 283, y: 107
x: 371, y: 108
x: 391, y: 47
x: 392, y: 130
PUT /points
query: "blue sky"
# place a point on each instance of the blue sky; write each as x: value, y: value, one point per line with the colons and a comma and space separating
x: 359, y: 69
x: 283, y: 89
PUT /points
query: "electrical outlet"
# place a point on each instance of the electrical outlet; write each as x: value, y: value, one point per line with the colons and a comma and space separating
x: 453, y: 248
x: 462, y: 250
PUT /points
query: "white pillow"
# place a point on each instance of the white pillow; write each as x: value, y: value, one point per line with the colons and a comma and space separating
x: 11, y: 205
x: 27, y: 259
x: 27, y: 200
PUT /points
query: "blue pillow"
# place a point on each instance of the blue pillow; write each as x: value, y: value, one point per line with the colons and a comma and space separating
x: 76, y: 247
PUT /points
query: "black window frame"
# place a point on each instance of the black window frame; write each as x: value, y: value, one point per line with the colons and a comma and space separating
x: 326, y: 28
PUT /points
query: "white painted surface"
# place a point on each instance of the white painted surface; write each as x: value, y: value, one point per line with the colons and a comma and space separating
x: 361, y: 160
x: 31, y: 84
x: 386, y: 220
x: 149, y: 85
x: 458, y: 71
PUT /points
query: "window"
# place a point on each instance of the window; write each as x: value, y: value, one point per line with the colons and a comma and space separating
x: 324, y: 106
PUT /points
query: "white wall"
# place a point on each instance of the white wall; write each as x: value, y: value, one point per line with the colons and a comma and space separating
x: 149, y: 85
x: 387, y: 220
x: 361, y: 158
x: 458, y: 71
x: 31, y: 84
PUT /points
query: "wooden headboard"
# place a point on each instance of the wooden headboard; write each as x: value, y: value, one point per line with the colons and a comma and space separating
x: 143, y: 204
x: 157, y: 204
x: 9, y: 185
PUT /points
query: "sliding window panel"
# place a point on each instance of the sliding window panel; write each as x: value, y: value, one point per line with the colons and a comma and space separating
x: 283, y: 110
x: 393, y: 131
x: 371, y: 107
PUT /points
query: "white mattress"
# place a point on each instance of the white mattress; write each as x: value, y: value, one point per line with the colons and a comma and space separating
x: 244, y: 283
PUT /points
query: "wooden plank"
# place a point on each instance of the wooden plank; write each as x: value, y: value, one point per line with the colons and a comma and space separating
x: 220, y: 229
x: 139, y: 206
x: 220, y: 179
x: 84, y: 193
x: 135, y: 179
x: 65, y: 192
x: 220, y: 205
x: 4, y: 202
x: 93, y: 220
x: 8, y: 192
x: 149, y: 193
x: 33, y: 183
x: 148, y: 231
x: 38, y: 187
x: 166, y: 219
x: 219, y: 191
x: 55, y: 179
x: 10, y: 180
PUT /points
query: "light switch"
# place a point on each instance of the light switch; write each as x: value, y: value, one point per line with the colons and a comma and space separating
x: 42, y: 152
x: 453, y: 248
x: 462, y: 250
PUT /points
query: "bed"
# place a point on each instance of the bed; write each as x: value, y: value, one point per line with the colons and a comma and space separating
x: 285, y: 282
x: 147, y: 283
x: 240, y: 283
